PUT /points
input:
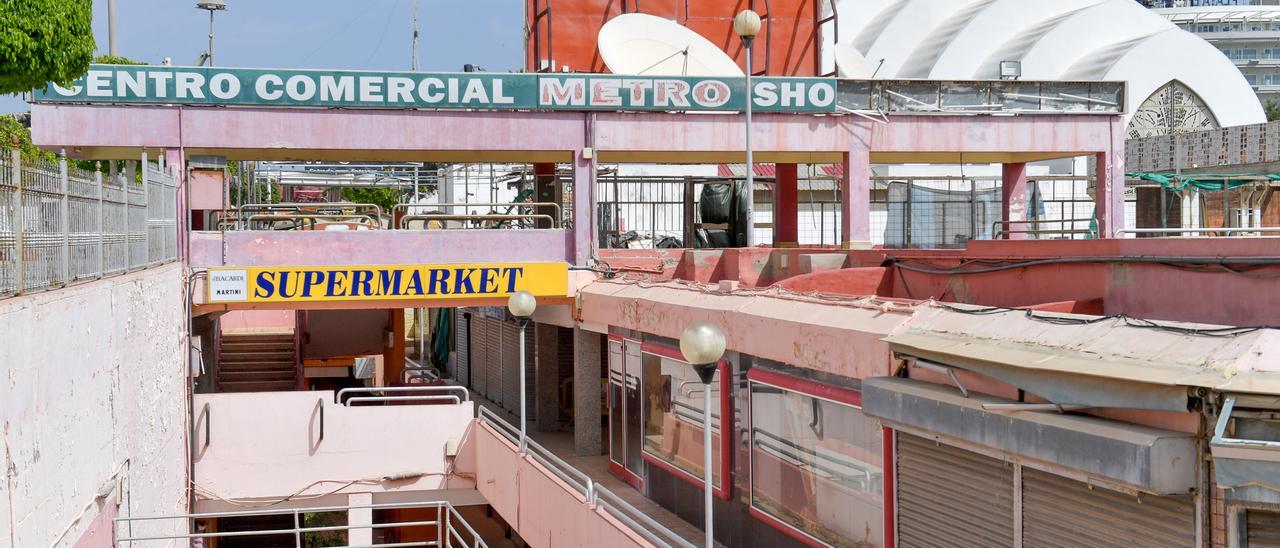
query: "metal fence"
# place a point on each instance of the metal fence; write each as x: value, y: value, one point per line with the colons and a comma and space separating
x: 450, y: 528
x: 60, y: 224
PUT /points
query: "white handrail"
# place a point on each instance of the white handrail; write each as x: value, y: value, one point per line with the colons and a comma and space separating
x: 463, y: 393
x: 1260, y: 230
x: 652, y: 530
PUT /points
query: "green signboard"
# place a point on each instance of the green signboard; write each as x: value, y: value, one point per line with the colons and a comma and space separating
x: 160, y: 85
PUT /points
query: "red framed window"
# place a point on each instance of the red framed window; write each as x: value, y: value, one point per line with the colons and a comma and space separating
x: 817, y: 463
x: 672, y: 417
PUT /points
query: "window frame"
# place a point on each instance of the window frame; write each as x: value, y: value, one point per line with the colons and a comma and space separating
x: 812, y: 389
x: 727, y: 424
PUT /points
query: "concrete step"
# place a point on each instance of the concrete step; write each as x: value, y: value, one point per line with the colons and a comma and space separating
x: 256, y: 337
x: 255, y: 386
x: 257, y: 346
x: 261, y: 375
x: 281, y: 356
x: 257, y: 366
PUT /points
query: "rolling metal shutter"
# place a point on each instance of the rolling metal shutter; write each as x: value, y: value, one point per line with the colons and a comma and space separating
x: 510, y: 379
x: 493, y: 366
x: 951, y: 497
x: 564, y: 347
x: 1262, y: 528
x: 480, y: 354
x: 462, y: 349
x: 1060, y: 511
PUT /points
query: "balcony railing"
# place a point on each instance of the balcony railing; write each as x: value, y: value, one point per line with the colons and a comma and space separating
x: 592, y: 494
x: 60, y: 224
x: 450, y: 527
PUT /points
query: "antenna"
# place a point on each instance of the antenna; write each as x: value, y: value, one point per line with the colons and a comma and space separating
x: 637, y: 43
x: 413, y: 64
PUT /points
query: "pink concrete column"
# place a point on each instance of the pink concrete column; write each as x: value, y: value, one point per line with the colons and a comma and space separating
x: 1013, y: 205
x: 786, y: 207
x: 175, y: 159
x: 855, y: 200
x: 584, y: 206
x: 1109, y: 191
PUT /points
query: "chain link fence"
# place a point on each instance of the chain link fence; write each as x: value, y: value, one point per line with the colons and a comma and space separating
x: 60, y: 224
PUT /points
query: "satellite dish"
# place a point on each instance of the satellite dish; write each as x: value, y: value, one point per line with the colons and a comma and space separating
x: 641, y: 44
x: 850, y: 63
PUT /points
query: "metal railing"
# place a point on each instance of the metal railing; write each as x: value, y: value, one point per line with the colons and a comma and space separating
x: 499, y: 215
x: 449, y: 525
x: 1000, y: 228
x: 428, y: 393
x: 1259, y: 231
x: 592, y: 492
x: 60, y: 224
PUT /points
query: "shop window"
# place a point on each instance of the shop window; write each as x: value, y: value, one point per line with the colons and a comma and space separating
x: 816, y: 462
x: 673, y: 417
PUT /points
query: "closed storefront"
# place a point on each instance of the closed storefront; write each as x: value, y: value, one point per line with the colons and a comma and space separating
x: 1054, y: 507
x: 952, y: 497
x: 1261, y: 528
x: 493, y: 358
x: 462, y: 349
x: 948, y: 496
x: 968, y: 471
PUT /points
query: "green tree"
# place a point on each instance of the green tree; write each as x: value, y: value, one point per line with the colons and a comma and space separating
x: 44, y: 41
x: 386, y: 198
x: 1273, y: 110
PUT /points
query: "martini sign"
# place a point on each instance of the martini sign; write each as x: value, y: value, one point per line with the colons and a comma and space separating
x: 160, y: 85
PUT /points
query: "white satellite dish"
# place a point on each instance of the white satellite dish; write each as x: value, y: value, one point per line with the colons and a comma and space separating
x: 850, y: 63
x: 640, y: 44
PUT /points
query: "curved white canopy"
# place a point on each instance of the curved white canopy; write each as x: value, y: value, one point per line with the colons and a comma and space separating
x: 1058, y: 40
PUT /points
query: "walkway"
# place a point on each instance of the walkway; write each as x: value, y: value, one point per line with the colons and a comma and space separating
x: 597, y: 468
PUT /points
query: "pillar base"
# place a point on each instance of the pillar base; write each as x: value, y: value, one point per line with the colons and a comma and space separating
x: 786, y: 245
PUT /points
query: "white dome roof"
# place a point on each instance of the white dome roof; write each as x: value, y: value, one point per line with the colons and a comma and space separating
x: 1054, y: 40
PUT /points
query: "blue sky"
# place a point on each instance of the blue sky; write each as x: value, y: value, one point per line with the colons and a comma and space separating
x: 355, y: 34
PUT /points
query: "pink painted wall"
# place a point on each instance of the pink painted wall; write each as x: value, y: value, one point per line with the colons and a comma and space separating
x: 841, y: 340
x: 544, y: 510
x: 307, y: 247
x: 344, y: 333
x: 206, y: 189
x: 256, y: 320
x: 267, y: 445
x: 99, y: 534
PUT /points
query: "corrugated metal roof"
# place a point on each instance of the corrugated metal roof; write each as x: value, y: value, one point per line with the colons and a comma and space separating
x: 1110, y: 348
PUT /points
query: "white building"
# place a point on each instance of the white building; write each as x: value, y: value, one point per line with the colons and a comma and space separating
x: 1248, y: 35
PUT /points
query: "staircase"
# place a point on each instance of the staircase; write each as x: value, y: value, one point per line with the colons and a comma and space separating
x: 257, y: 362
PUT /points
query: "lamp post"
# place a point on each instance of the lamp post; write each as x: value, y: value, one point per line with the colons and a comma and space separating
x: 211, y: 6
x: 702, y: 344
x: 747, y: 24
x: 522, y: 304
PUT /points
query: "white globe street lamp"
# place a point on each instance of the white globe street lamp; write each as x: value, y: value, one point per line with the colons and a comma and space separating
x: 703, y: 344
x: 747, y: 25
x: 522, y: 304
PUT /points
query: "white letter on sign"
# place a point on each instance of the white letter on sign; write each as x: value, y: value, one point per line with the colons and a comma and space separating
x: 224, y: 86
x: 260, y: 87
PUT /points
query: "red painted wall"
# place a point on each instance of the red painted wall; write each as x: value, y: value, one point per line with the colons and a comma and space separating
x: 791, y: 29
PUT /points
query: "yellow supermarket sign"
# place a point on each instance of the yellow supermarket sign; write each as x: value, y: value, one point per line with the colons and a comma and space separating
x: 345, y: 283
